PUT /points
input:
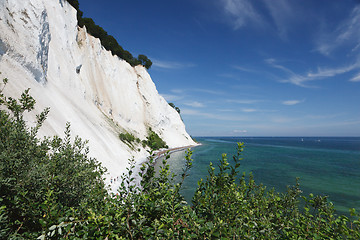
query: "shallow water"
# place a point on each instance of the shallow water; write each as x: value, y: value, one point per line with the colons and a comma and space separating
x: 326, y: 166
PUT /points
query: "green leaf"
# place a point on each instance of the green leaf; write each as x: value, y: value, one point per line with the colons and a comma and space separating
x: 52, y: 227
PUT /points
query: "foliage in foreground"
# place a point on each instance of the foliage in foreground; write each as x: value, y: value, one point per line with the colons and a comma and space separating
x: 51, y: 189
x: 41, y: 181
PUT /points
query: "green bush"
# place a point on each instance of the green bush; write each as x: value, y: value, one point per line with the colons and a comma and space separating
x: 153, y: 141
x: 41, y: 179
x: 128, y: 138
x: 224, y: 207
x: 144, y: 60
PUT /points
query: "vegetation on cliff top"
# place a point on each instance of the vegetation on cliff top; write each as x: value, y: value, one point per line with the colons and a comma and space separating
x: 52, y: 189
x: 108, y: 41
x: 174, y: 107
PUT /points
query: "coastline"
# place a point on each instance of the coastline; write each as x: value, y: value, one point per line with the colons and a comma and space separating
x: 114, y: 185
x: 162, y: 152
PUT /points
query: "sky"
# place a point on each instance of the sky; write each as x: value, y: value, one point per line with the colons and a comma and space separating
x: 247, y: 67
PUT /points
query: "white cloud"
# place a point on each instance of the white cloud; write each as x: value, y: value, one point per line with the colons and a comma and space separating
x: 241, y: 12
x: 293, y: 77
x: 202, y: 90
x: 281, y: 119
x: 282, y: 14
x: 330, y: 72
x: 321, y: 73
x: 243, y: 101
x: 171, y: 97
x: 292, y: 102
x: 244, y: 69
x: 356, y: 78
x: 191, y: 112
x: 272, y: 62
x: 228, y: 75
x: 356, y: 48
x: 328, y: 116
x: 346, y: 32
x: 222, y: 117
x: 240, y: 131
x: 177, y: 90
x: 297, y: 80
x: 170, y: 64
x: 194, y: 104
x: 248, y: 110
x: 207, y: 91
x: 226, y: 110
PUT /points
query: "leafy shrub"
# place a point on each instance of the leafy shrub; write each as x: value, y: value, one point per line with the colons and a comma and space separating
x: 224, y: 207
x: 128, y: 138
x: 153, y: 141
x: 144, y: 60
x: 41, y: 179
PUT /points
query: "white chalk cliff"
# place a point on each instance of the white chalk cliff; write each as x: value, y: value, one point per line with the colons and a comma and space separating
x: 42, y: 48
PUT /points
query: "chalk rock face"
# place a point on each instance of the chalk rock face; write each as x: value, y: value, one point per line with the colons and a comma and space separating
x: 42, y: 48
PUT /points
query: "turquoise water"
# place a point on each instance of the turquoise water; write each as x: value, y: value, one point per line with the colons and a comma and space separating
x: 327, y: 166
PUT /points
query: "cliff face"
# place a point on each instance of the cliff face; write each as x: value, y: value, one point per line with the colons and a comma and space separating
x: 69, y: 71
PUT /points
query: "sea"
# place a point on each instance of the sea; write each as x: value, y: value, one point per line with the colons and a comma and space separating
x: 326, y: 166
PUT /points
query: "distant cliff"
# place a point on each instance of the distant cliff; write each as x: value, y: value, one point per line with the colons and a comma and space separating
x: 101, y: 95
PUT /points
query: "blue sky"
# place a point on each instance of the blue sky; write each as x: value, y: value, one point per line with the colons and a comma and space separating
x: 247, y: 67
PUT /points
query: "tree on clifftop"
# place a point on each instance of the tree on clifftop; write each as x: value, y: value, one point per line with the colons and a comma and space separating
x: 145, y: 61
